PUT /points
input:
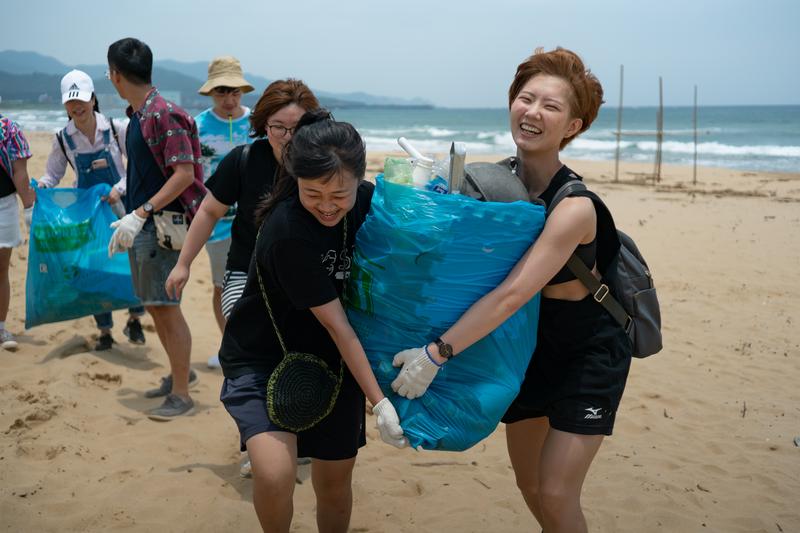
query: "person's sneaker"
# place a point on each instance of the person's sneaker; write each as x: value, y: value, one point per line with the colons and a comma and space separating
x: 213, y: 362
x: 7, y: 341
x: 166, y: 385
x: 245, y: 468
x: 133, y: 330
x: 173, y: 406
x: 104, y: 342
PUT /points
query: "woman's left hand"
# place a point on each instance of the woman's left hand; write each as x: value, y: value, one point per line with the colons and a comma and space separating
x: 417, y: 373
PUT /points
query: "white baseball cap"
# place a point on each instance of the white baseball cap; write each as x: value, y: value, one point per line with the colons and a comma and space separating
x: 76, y: 85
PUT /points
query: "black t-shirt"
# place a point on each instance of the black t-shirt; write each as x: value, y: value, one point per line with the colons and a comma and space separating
x: 302, y: 266
x: 6, y: 183
x: 229, y: 186
x: 144, y: 178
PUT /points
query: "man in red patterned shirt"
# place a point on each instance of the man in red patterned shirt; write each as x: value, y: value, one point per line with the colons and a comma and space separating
x: 163, y: 174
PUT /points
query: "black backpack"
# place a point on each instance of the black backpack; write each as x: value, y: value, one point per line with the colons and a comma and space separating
x: 626, y: 290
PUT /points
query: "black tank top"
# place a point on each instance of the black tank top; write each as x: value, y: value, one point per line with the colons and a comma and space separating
x: 586, y: 252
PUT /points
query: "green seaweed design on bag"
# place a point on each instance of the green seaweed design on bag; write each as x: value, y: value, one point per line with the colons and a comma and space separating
x: 358, y: 293
x: 64, y: 237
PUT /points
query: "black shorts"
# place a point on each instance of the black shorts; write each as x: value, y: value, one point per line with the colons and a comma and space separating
x: 577, y: 374
x: 337, y: 436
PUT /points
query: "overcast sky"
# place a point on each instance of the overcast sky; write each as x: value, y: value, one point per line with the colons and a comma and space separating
x: 459, y: 53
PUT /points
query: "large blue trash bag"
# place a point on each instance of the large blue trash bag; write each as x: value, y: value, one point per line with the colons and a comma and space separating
x: 421, y: 260
x: 69, y: 272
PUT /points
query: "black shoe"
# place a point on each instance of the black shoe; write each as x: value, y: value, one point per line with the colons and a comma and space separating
x: 133, y: 330
x: 104, y: 342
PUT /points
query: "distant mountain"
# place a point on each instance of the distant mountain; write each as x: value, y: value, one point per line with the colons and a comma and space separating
x: 16, y: 62
x: 30, y: 76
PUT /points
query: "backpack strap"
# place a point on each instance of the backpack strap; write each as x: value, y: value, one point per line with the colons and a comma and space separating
x: 60, y: 137
x: 599, y: 290
x: 114, y: 132
x: 570, y: 187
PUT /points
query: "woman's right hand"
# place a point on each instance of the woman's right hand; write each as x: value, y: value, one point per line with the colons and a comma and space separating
x: 177, y: 281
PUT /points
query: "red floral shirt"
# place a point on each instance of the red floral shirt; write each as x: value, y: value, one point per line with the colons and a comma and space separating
x: 171, y: 134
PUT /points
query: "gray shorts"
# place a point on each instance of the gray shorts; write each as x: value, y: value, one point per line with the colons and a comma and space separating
x: 218, y: 256
x: 150, y: 267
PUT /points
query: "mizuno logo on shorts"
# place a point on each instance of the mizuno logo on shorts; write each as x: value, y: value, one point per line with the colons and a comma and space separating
x: 593, y: 413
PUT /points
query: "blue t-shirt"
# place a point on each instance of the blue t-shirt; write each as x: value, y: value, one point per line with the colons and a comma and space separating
x: 218, y: 136
x: 144, y: 178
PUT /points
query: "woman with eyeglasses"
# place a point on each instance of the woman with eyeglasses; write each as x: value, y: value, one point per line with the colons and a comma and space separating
x: 244, y: 178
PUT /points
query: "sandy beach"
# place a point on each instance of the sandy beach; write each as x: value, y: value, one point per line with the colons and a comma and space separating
x: 703, y: 441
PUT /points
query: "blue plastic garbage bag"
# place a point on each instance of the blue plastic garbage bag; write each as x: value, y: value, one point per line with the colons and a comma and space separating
x: 421, y: 260
x: 69, y: 272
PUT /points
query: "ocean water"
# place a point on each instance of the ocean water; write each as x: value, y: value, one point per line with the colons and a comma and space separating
x: 758, y: 138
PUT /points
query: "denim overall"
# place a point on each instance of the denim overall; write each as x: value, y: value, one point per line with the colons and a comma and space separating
x: 89, y: 176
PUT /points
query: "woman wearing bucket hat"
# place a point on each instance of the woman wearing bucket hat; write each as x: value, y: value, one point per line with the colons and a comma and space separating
x: 93, y: 146
x: 222, y: 127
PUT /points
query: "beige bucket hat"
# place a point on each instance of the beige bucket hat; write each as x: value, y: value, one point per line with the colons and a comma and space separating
x: 225, y: 71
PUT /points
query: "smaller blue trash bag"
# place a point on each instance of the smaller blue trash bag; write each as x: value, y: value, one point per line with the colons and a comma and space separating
x: 69, y: 272
x: 421, y: 260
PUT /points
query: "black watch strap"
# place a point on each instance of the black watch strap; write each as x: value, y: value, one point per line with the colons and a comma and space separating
x: 445, y: 350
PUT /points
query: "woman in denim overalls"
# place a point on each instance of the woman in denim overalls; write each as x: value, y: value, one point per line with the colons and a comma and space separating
x: 90, y: 144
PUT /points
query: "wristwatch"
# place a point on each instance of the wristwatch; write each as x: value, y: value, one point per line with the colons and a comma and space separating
x: 147, y: 207
x: 445, y: 350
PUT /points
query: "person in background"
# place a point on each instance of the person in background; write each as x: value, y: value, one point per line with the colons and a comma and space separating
x: 163, y: 162
x: 93, y: 146
x: 14, y: 181
x: 568, y: 400
x: 222, y: 127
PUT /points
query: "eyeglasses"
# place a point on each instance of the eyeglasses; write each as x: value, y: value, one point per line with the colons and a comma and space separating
x: 222, y: 91
x: 280, y: 131
x: 108, y: 74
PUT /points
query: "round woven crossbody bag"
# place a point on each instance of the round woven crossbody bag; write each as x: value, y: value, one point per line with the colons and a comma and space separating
x: 302, y: 389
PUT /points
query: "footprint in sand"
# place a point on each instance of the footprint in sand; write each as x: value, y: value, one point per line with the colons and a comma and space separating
x: 101, y: 380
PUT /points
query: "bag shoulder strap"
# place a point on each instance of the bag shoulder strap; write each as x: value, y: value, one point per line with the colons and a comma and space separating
x: 60, y: 137
x: 114, y: 132
x: 599, y: 290
x: 264, y: 291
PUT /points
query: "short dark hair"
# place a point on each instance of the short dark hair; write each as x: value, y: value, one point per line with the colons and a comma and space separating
x: 320, y: 148
x: 133, y: 59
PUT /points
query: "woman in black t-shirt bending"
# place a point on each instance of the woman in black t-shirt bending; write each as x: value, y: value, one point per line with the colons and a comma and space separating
x: 302, y: 256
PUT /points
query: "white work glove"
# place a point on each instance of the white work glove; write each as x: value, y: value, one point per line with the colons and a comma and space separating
x: 417, y: 373
x: 126, y: 229
x: 388, y: 424
x: 27, y: 215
